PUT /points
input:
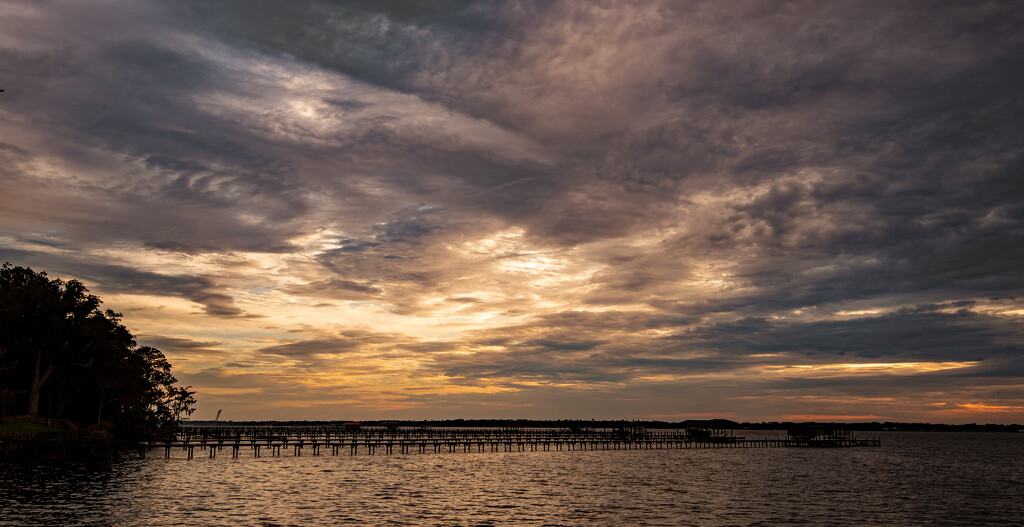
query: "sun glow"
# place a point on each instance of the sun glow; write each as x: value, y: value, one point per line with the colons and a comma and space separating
x: 895, y: 368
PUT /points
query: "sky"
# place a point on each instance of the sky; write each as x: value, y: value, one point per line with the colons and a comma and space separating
x: 649, y: 209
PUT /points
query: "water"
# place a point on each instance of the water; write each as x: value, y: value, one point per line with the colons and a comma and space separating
x: 913, y: 479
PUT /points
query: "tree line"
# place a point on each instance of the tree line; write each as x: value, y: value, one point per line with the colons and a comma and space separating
x: 62, y: 356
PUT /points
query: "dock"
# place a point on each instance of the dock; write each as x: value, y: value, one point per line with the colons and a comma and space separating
x: 296, y: 441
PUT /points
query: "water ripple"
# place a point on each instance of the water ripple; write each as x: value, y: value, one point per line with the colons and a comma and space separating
x: 914, y: 479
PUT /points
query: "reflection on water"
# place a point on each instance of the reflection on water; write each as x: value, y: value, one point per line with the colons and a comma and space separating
x: 913, y: 479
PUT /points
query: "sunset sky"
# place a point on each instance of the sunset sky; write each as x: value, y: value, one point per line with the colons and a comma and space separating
x: 657, y: 209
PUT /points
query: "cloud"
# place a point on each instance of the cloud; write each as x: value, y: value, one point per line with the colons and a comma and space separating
x: 336, y: 289
x: 177, y: 344
x: 121, y: 279
x: 646, y: 200
x: 308, y: 347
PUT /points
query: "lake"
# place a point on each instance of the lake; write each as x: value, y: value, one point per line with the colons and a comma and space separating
x: 926, y: 478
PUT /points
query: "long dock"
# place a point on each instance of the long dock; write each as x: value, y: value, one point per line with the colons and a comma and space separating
x: 297, y: 441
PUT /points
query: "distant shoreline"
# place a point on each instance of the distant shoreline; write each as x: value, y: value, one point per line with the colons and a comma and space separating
x: 563, y: 423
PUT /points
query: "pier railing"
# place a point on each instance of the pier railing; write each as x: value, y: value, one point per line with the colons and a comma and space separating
x: 297, y: 440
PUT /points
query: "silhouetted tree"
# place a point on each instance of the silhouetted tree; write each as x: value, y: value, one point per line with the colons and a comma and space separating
x: 60, y: 352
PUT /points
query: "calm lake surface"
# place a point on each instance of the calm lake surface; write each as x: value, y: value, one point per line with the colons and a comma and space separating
x: 913, y: 479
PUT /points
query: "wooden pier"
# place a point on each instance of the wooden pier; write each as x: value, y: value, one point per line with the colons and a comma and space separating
x: 297, y: 441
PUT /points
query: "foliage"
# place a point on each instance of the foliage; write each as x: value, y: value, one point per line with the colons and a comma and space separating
x: 62, y: 356
x: 22, y: 429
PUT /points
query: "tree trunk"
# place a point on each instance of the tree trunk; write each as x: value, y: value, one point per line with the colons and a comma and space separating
x: 37, y: 384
